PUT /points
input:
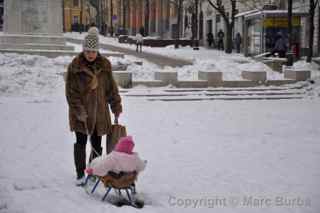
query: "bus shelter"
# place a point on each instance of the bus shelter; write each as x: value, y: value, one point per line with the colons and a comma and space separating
x: 263, y: 28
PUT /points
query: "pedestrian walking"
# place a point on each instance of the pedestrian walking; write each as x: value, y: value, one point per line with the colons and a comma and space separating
x: 220, y: 40
x: 281, y: 46
x: 238, y: 41
x: 210, y: 39
x: 139, y: 42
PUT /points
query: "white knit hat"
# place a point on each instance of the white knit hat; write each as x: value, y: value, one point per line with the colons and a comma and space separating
x: 91, y: 41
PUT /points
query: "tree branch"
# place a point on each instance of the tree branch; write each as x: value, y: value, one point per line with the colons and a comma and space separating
x: 220, y: 10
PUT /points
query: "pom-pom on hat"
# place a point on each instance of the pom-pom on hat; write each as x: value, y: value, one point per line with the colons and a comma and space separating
x: 91, y: 41
x: 125, y: 144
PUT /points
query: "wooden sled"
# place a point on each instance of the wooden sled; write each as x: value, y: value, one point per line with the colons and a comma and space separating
x: 119, y: 182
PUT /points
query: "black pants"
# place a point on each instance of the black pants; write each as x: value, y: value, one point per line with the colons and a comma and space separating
x: 80, y: 151
x: 220, y: 45
x: 139, y: 45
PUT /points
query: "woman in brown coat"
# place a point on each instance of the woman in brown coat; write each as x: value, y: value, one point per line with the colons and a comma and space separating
x: 90, y: 89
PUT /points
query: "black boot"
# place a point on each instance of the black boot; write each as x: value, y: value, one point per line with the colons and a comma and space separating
x: 79, y: 154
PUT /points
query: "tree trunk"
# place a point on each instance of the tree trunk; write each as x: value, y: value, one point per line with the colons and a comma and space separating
x: 311, y: 21
x: 123, y: 14
x: 111, y: 18
x: 196, y: 26
x: 81, y: 16
x: 289, y: 53
x: 319, y: 31
x: 178, y: 23
x: 63, y: 18
x: 229, y: 38
x: 311, y: 33
x: 146, y: 18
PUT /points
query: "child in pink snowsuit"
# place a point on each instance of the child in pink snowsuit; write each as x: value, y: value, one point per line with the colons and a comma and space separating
x: 121, y: 159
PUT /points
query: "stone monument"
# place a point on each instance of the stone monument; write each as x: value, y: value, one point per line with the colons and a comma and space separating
x: 33, y: 26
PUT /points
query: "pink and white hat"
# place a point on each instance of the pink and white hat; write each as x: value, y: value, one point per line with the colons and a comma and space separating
x: 125, y: 144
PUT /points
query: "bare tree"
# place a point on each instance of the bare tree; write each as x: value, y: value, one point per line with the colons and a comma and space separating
x: 219, y: 6
x: 180, y: 4
x: 96, y: 5
x: 81, y: 16
x: 312, y: 6
x: 147, y: 17
x: 111, y: 18
x: 63, y: 17
x: 290, y: 37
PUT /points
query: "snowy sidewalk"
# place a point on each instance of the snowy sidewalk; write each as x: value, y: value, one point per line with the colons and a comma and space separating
x: 157, y: 59
x: 207, y: 153
x: 203, y: 156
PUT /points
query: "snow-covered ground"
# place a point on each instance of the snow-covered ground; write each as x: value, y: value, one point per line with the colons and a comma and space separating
x: 225, y: 156
x: 31, y: 74
x: 205, y: 60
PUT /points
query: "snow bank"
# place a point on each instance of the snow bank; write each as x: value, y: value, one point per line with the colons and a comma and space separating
x: 32, y: 75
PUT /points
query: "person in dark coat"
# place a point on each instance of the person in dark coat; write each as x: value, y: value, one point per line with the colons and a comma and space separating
x: 220, y: 40
x: 238, y: 41
x: 210, y: 39
x: 90, y: 92
x: 281, y: 46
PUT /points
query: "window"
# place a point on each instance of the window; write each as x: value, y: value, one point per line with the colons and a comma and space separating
x: 75, y: 20
x: 76, y: 3
x: 218, y: 18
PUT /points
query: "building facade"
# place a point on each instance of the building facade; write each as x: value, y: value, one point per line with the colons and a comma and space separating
x: 153, y: 16
x: 77, y: 12
x: 158, y: 18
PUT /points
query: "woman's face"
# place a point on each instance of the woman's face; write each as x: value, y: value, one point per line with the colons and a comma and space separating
x: 90, y: 55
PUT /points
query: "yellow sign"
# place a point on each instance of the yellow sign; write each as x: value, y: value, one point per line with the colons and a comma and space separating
x: 281, y: 22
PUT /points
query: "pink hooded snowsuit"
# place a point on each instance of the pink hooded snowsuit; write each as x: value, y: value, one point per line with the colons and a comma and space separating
x: 122, y: 159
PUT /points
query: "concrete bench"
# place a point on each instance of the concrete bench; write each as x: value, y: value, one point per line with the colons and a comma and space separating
x: 240, y: 83
x: 254, y: 75
x: 192, y: 84
x: 149, y: 83
x: 275, y: 63
x: 168, y: 77
x: 120, y: 67
x: 298, y: 75
x: 123, y: 78
x: 213, y: 78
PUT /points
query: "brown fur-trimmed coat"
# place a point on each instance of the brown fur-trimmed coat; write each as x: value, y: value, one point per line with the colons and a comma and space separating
x: 90, y: 89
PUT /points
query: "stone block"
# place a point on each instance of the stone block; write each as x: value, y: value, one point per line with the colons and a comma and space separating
x: 298, y: 75
x: 168, y: 77
x: 279, y: 82
x: 192, y: 84
x: 254, y: 75
x: 152, y: 83
x: 35, y: 46
x: 120, y: 67
x: 240, y: 83
x: 213, y: 78
x: 123, y: 78
x: 33, y: 16
x: 275, y: 63
x: 32, y: 39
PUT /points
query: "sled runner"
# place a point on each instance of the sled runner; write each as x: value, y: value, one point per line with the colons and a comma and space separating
x: 124, y: 181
